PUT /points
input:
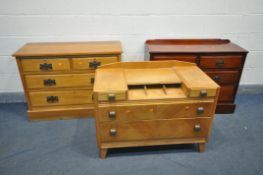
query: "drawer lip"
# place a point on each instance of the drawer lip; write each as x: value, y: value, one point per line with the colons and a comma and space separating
x: 126, y: 113
x: 57, y: 64
x: 155, y: 129
x: 60, y: 81
x: 65, y: 97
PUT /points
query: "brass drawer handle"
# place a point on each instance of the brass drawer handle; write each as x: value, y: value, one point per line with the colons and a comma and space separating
x: 200, y: 110
x: 112, y: 115
x: 94, y: 64
x: 92, y: 80
x: 45, y: 66
x: 113, y: 132
x: 52, y: 99
x: 220, y: 63
x: 197, y: 128
x: 111, y: 97
x: 217, y: 78
x: 203, y: 93
x: 49, y: 82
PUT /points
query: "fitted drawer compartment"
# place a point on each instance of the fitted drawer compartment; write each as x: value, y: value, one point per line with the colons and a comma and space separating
x: 45, y: 65
x: 187, y: 58
x: 92, y: 62
x: 58, y: 81
x: 227, y: 93
x: 155, y: 129
x: 53, y: 98
x: 221, y: 62
x: 224, y: 77
x: 160, y: 111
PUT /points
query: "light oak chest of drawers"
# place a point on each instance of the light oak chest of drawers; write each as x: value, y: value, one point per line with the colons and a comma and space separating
x: 153, y: 103
x: 58, y: 78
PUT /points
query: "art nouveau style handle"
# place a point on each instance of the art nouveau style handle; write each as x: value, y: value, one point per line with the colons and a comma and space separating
x: 216, y: 78
x: 112, y: 115
x: 94, y: 64
x: 113, y: 132
x: 197, y: 128
x: 45, y: 66
x: 52, y: 99
x: 49, y: 82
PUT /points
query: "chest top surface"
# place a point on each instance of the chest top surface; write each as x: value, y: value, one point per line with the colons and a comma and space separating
x: 193, y: 46
x: 69, y: 48
x: 153, y: 80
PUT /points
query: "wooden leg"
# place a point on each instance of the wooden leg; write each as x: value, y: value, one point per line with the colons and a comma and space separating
x: 103, y: 153
x: 201, y: 147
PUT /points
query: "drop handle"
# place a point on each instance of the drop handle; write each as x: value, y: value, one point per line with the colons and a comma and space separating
x: 203, y: 93
x: 112, y: 115
x: 45, y: 66
x: 200, y: 110
x: 111, y: 97
x: 113, y: 132
x: 49, y: 82
x: 197, y: 128
x: 52, y: 99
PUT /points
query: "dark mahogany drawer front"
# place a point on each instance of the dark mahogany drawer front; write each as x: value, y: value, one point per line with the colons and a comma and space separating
x: 221, y: 62
x: 224, y: 77
x: 187, y: 58
x: 227, y: 93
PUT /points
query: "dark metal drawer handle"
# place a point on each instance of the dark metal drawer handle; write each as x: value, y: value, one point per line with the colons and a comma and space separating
x: 111, y: 97
x: 52, y: 99
x: 197, y: 128
x: 220, y: 63
x: 200, y: 110
x: 45, y: 66
x: 217, y: 78
x: 49, y: 82
x: 112, y: 115
x: 203, y: 93
x: 113, y: 132
x: 94, y: 64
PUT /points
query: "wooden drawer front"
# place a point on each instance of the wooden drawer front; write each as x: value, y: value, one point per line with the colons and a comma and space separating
x: 155, y: 129
x: 187, y: 58
x: 92, y: 63
x: 221, y: 62
x: 224, y: 77
x: 53, y: 98
x: 112, y: 97
x: 227, y: 93
x: 148, y: 112
x: 57, y: 81
x: 45, y: 65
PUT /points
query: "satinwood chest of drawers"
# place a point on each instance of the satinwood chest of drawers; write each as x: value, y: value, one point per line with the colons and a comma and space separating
x: 220, y: 59
x: 153, y: 103
x: 58, y: 77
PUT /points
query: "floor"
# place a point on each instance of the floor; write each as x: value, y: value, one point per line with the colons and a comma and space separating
x: 69, y: 147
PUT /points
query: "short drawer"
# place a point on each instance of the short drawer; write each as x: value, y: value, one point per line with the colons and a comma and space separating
x: 221, y: 62
x: 57, y: 81
x: 92, y: 62
x: 155, y: 129
x: 186, y: 58
x: 149, y: 112
x: 227, y: 93
x: 224, y: 77
x: 45, y: 65
x: 53, y: 98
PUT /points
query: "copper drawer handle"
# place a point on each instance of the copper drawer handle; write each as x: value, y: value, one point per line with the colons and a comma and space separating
x: 52, y: 99
x: 220, y: 63
x: 94, y: 64
x: 200, y: 110
x: 49, y: 82
x: 197, y: 128
x: 112, y: 115
x: 113, y: 132
x: 45, y: 66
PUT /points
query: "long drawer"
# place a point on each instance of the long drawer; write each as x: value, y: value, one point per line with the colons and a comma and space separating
x: 154, y: 129
x: 221, y: 62
x: 160, y: 111
x: 54, y: 98
x: 45, y: 65
x: 91, y: 63
x: 59, y: 80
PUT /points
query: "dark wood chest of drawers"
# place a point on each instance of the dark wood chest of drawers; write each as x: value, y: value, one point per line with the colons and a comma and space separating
x: 220, y: 59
